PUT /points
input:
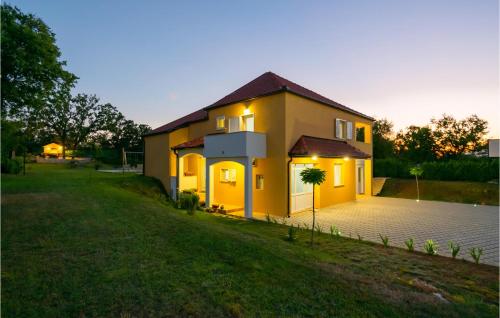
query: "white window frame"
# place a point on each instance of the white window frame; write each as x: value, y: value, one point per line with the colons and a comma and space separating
x: 244, y: 119
x: 217, y: 120
x: 259, y: 182
x: 234, y: 124
x: 349, y: 130
x: 227, y: 175
x: 338, y: 176
x: 339, y: 128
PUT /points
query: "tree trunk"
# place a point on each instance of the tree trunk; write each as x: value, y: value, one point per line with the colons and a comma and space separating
x: 418, y: 192
x: 314, y: 220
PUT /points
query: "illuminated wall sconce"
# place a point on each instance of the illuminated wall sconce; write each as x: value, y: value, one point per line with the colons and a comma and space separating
x: 314, y: 157
x: 246, y: 111
x: 346, y: 158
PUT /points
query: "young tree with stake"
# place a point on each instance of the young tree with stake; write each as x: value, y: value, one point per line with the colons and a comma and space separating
x: 313, y: 176
x: 417, y: 171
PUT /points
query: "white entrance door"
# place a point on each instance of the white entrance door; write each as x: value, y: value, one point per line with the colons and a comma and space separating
x: 301, y: 193
x: 360, y: 176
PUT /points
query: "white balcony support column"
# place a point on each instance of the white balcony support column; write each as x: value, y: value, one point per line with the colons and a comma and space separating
x: 248, y: 188
x: 208, y: 177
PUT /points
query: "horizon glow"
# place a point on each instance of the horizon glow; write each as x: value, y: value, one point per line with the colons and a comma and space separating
x: 407, y: 61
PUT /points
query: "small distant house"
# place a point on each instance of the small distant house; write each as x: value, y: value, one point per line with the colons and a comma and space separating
x: 52, y: 150
x: 493, y: 148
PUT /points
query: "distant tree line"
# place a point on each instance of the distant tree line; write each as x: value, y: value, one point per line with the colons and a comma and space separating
x: 444, y: 148
x: 37, y: 103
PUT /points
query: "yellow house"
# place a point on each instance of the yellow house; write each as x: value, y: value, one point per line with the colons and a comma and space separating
x: 52, y: 150
x: 246, y: 151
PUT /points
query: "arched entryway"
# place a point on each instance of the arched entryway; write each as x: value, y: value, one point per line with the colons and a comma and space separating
x: 192, y: 174
x: 229, y: 183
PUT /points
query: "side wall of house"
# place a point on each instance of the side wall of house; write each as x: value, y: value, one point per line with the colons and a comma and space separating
x: 160, y: 160
x: 307, y: 117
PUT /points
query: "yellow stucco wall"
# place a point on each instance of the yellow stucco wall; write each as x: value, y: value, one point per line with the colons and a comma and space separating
x: 268, y: 112
x: 229, y: 193
x: 327, y: 194
x: 307, y: 117
x: 283, y: 118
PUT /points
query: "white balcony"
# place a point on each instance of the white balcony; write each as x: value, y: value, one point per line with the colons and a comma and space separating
x: 236, y: 144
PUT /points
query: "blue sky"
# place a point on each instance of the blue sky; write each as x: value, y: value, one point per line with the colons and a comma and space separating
x: 404, y: 60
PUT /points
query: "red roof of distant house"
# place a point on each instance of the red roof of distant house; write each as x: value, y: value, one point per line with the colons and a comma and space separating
x: 266, y: 84
x: 195, y: 143
x: 330, y: 148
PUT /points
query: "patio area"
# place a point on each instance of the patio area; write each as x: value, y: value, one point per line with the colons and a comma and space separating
x: 400, y: 219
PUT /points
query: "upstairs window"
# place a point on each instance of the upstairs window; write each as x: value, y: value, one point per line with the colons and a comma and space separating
x: 360, y: 134
x: 343, y: 129
x: 227, y: 175
x: 220, y: 122
x: 234, y: 124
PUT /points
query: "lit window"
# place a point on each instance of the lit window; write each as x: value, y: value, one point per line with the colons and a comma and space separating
x: 360, y: 134
x: 338, y: 175
x: 259, y: 182
x: 227, y: 175
x: 221, y: 122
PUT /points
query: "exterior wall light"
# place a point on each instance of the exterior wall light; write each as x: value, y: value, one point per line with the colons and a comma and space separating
x: 246, y: 111
x: 314, y: 157
x: 346, y: 158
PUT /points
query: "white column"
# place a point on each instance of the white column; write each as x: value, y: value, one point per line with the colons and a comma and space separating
x: 248, y: 188
x: 208, y: 193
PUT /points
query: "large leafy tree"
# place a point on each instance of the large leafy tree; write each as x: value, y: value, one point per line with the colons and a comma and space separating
x: 455, y: 137
x: 416, y: 144
x: 31, y: 69
x: 383, y: 143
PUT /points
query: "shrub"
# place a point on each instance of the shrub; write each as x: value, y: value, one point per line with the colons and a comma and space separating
x: 410, y: 244
x: 476, y: 253
x: 431, y: 247
x: 292, y: 234
x: 454, y: 248
x: 385, y: 240
x: 97, y: 165
x: 189, y: 201
x: 334, y: 231
x: 13, y: 166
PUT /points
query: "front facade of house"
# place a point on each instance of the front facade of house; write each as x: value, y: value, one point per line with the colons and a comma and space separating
x: 246, y: 151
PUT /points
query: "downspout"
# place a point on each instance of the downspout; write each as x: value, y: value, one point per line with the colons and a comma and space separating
x: 176, y: 174
x: 288, y: 197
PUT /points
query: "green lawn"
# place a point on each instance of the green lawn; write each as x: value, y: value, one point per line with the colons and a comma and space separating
x: 77, y: 243
x: 450, y: 191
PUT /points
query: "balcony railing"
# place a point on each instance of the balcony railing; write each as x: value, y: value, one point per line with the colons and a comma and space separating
x: 237, y: 144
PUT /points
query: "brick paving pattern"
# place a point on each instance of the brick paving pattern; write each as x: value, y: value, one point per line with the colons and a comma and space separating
x: 401, y: 219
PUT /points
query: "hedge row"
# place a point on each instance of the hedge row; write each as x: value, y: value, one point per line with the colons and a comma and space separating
x: 467, y: 169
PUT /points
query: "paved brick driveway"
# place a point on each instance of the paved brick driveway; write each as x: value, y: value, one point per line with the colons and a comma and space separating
x: 401, y: 219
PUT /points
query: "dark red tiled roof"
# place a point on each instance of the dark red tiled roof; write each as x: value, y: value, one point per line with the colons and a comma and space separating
x: 195, y: 143
x: 198, y: 115
x: 269, y: 83
x: 330, y: 148
x: 266, y: 84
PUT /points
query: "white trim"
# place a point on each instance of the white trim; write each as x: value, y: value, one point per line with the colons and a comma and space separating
x: 217, y: 119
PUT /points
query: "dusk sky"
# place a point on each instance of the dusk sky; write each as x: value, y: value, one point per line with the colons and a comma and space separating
x: 407, y: 61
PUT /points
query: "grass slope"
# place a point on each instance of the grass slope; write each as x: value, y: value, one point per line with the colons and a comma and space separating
x: 76, y: 242
x: 450, y: 191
